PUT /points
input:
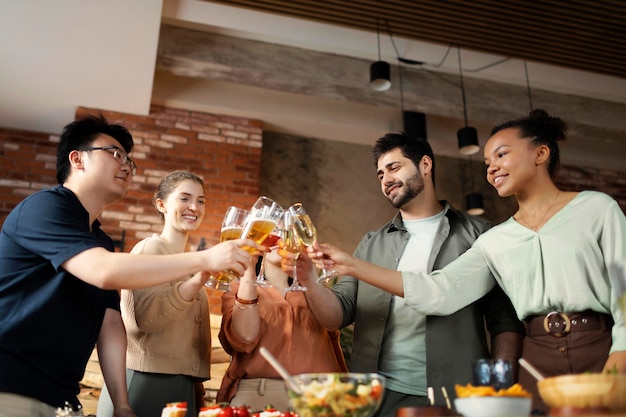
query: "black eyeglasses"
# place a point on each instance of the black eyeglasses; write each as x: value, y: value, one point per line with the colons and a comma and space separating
x: 119, y: 155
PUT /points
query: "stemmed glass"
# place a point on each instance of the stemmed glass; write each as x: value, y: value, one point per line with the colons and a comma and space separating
x: 260, y: 224
x: 307, y: 234
x: 291, y: 243
x: 232, y: 226
x: 271, y: 241
x: 257, y: 225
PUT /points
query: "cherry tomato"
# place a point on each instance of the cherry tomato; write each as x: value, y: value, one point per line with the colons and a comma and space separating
x: 376, y: 391
x: 241, y: 411
x: 226, y: 411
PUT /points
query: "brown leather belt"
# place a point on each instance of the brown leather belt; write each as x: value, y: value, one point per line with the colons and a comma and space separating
x: 559, y: 324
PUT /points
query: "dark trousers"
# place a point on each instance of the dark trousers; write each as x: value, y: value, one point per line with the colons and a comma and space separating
x: 393, y: 400
x: 576, y: 352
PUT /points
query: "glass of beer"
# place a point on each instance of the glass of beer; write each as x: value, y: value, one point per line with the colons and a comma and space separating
x: 262, y: 220
x: 271, y: 241
x: 232, y: 227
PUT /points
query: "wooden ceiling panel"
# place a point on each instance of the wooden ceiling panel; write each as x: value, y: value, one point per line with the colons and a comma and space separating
x: 582, y: 34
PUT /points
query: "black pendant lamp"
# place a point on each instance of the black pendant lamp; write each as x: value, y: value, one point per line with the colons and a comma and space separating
x: 414, y: 124
x: 474, y: 204
x: 380, y: 71
x: 467, y: 136
x: 473, y: 200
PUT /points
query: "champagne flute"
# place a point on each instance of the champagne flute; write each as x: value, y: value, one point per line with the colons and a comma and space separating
x: 307, y: 234
x: 271, y: 241
x: 232, y: 226
x: 291, y: 243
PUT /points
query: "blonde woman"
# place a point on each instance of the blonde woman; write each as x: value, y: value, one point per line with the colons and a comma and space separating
x: 168, y: 329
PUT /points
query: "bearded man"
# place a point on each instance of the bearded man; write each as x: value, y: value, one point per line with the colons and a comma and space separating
x: 413, y: 351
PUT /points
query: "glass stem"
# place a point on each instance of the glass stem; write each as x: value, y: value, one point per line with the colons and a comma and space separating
x: 261, y: 275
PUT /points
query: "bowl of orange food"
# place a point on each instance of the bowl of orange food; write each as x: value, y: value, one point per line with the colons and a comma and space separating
x: 585, y: 391
x: 486, y: 401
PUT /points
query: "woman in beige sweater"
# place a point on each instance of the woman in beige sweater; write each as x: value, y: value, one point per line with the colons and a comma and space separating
x: 168, y: 329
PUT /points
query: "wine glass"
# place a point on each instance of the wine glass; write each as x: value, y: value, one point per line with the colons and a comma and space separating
x: 232, y: 226
x: 291, y: 243
x: 262, y: 220
x: 306, y: 232
x: 271, y: 241
x: 257, y: 225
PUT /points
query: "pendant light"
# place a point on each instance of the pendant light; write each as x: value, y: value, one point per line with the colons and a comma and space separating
x: 467, y: 136
x: 380, y: 71
x: 413, y: 122
x: 473, y: 200
x: 474, y: 203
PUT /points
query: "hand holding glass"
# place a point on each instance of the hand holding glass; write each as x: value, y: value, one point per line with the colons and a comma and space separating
x: 307, y: 233
x: 232, y: 226
x: 256, y: 226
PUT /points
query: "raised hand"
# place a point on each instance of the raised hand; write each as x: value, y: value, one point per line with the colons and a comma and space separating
x: 231, y: 255
x: 304, y: 264
x: 325, y: 255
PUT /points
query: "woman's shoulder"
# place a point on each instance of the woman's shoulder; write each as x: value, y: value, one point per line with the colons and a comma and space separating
x: 152, y: 245
x: 593, y: 196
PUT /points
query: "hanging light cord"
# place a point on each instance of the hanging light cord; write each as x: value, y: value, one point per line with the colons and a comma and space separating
x: 530, y: 99
x: 458, y: 49
x: 401, y: 89
x: 469, y: 160
x: 378, y: 36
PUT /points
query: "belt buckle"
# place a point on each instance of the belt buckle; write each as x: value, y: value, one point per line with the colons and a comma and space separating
x: 552, y: 327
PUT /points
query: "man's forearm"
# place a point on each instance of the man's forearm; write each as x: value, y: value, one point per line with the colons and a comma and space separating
x: 324, y: 305
x: 508, y: 345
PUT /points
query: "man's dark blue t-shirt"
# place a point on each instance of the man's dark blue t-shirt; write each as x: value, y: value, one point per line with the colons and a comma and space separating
x: 49, y: 319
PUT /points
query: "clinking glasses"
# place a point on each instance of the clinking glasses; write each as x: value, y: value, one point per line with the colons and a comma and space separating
x: 118, y: 154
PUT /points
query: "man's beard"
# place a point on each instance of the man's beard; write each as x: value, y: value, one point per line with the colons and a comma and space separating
x: 412, y: 187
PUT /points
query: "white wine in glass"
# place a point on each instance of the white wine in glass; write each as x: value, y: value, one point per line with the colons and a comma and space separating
x: 307, y: 233
x: 292, y: 243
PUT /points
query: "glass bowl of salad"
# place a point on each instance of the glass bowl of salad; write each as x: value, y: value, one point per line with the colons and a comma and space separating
x: 337, y: 394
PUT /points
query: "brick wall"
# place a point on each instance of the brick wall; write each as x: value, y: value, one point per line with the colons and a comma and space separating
x: 577, y: 178
x: 224, y: 150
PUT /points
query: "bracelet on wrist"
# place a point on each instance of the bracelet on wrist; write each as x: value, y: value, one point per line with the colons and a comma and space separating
x: 245, y: 306
x: 246, y: 302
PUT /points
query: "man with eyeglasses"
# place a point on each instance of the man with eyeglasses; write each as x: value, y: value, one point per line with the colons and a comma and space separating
x: 119, y: 155
x: 59, y: 276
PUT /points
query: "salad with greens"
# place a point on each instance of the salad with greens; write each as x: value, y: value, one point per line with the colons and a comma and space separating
x: 334, y: 395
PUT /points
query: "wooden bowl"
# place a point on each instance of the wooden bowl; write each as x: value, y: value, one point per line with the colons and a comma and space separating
x: 426, y: 411
x: 585, y: 391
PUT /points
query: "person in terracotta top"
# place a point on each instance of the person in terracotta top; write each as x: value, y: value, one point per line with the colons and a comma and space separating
x: 168, y: 328
x: 555, y: 258
x: 279, y: 320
